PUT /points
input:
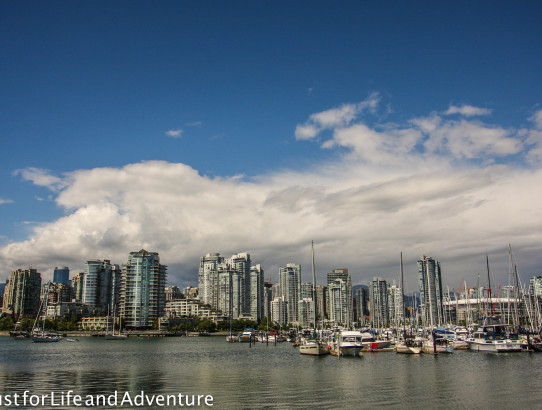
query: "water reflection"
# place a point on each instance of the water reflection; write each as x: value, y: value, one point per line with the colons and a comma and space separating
x: 270, y: 376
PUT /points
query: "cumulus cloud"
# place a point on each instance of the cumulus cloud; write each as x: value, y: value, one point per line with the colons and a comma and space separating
x: 174, y: 133
x: 430, y: 185
x: 467, y: 110
x: 335, y: 117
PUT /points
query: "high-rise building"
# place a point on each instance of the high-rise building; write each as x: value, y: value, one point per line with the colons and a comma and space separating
x: 306, y: 312
x: 256, y: 292
x: 267, y: 299
x: 306, y: 290
x: 379, y: 302
x: 321, y: 302
x: 345, y: 277
x: 241, y: 264
x: 279, y: 308
x: 77, y: 283
x: 61, y: 274
x: 338, y: 297
x: 208, y: 278
x: 360, y: 305
x: 142, y: 290
x: 395, y: 304
x: 535, y: 286
x: 429, y: 277
x: 97, y: 286
x: 22, y: 293
x: 290, y: 288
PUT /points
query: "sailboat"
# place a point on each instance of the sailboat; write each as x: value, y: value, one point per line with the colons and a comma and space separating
x: 39, y: 335
x: 113, y: 335
x: 408, y: 344
x: 314, y: 346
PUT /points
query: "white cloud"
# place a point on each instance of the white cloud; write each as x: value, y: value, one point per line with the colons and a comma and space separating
x: 335, y: 117
x: 174, y: 133
x: 5, y: 201
x: 537, y: 119
x: 42, y: 177
x: 467, y: 110
x: 401, y: 187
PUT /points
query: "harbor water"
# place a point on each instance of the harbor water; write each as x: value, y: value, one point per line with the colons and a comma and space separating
x: 239, y: 376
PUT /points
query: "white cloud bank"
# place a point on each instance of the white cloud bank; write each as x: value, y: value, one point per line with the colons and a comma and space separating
x: 435, y: 186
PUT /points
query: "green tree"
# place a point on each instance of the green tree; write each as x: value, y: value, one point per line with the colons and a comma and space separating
x: 6, y: 323
x: 206, y: 325
x: 26, y: 324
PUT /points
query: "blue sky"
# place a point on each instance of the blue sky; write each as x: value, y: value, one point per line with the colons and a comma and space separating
x: 225, y: 88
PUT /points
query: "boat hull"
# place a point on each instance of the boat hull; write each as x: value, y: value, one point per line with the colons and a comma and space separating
x: 495, y: 346
x: 403, y: 349
x: 314, y: 349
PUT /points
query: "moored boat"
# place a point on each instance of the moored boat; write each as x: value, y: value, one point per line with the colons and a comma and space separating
x: 247, y: 336
x: 314, y: 347
x: 493, y: 336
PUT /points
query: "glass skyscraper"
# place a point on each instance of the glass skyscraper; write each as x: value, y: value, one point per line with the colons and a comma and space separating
x: 429, y: 277
x: 61, y: 274
x: 142, y: 290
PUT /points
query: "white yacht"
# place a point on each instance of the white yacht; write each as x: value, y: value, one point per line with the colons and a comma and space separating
x: 493, y: 336
x: 314, y: 347
x: 348, y: 343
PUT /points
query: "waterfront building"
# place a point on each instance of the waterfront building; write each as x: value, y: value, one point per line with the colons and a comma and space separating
x: 339, y: 312
x: 267, y: 299
x: 535, y: 286
x: 360, y: 304
x: 183, y: 308
x: 395, y: 304
x: 172, y: 293
x: 431, y: 298
x: 241, y: 264
x: 190, y: 292
x: 102, y: 323
x: 58, y: 292
x: 66, y: 309
x: 256, y: 292
x: 228, y: 292
x: 321, y: 302
x: 306, y: 290
x: 97, y: 286
x: 290, y: 288
x: 208, y: 278
x: 306, y: 313
x: 275, y: 291
x: 349, y: 303
x: 379, y: 302
x: 142, y: 295
x: 22, y: 293
x: 279, y: 311
x: 77, y: 286
x: 61, y: 274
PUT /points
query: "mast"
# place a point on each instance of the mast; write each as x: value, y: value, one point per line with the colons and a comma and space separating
x: 489, y: 285
x: 314, y: 287
x: 403, y: 298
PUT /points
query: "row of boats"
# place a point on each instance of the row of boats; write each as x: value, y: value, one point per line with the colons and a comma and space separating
x: 490, y: 336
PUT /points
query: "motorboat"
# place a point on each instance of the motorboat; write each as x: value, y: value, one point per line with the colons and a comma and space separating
x: 493, y: 336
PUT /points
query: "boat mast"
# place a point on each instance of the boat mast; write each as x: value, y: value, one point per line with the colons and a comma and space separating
x: 314, y: 287
x: 489, y: 285
x: 403, y: 298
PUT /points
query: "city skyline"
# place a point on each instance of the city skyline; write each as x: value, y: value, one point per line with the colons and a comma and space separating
x: 372, y: 129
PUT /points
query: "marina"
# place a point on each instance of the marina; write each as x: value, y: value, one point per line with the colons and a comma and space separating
x: 271, y: 376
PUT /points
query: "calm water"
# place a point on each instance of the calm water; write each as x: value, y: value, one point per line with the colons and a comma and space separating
x: 239, y: 377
